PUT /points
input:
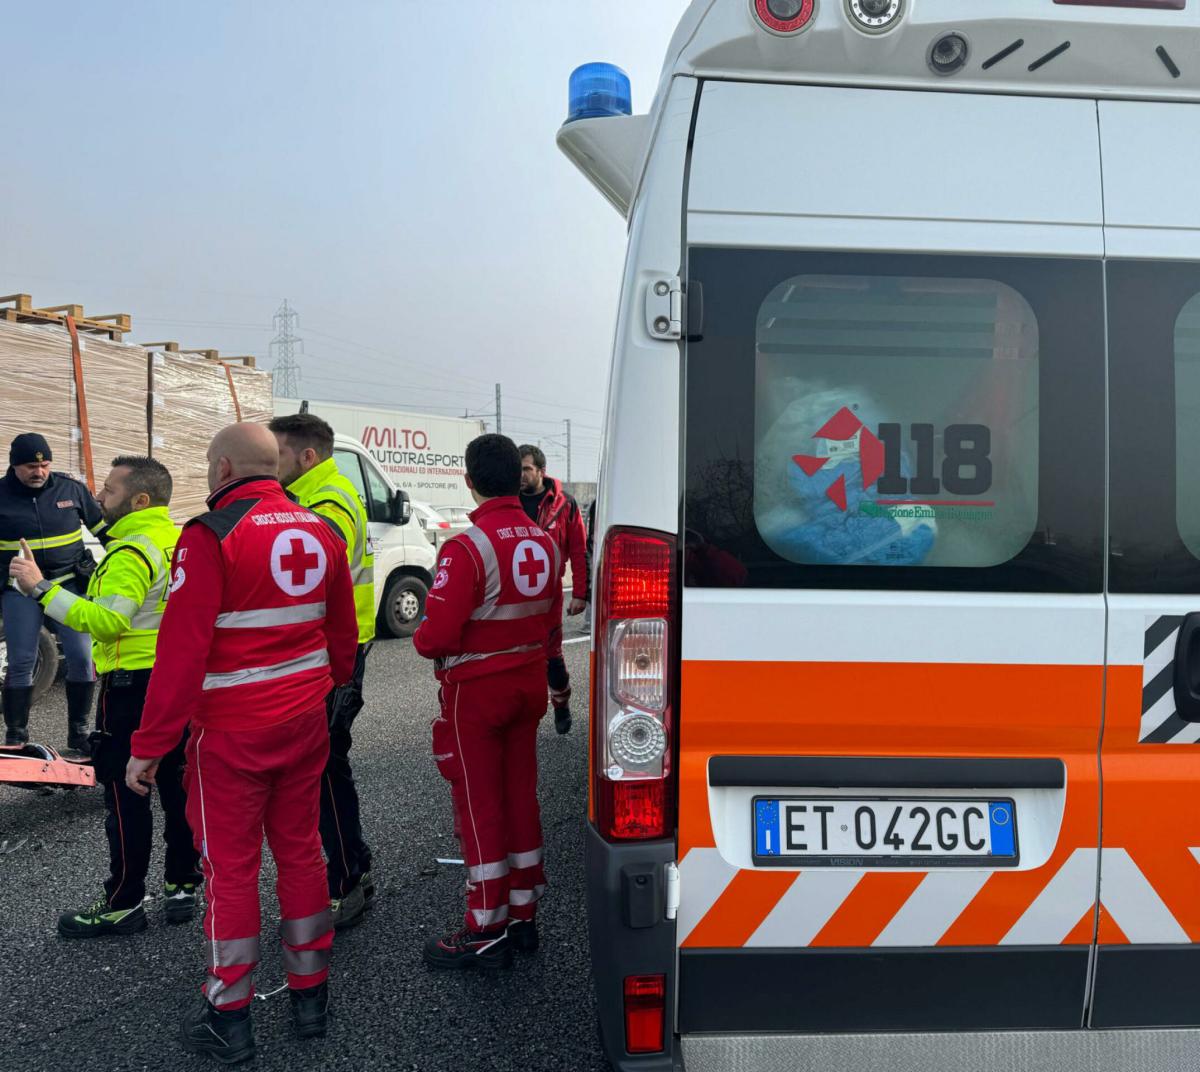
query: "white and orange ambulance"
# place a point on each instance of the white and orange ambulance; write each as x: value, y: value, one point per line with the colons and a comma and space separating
x: 895, y: 748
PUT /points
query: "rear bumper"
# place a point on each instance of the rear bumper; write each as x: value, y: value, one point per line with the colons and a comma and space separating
x: 1016, y: 1051
x: 629, y: 935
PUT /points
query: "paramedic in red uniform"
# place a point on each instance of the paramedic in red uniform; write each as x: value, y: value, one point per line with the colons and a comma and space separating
x: 552, y: 509
x: 259, y: 626
x: 487, y: 619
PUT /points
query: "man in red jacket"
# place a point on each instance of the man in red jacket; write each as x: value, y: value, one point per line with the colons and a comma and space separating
x: 259, y: 626
x: 553, y: 510
x: 487, y: 619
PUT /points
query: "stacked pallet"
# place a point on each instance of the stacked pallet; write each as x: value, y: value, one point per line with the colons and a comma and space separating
x: 155, y: 399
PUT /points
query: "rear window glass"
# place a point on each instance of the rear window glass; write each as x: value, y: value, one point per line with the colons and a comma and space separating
x: 896, y: 421
x: 1187, y: 424
x: 893, y: 421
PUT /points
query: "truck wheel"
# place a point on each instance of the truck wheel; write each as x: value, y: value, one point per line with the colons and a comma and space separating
x: 44, y: 669
x: 403, y: 605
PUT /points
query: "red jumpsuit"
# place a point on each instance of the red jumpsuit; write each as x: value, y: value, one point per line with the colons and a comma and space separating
x: 487, y: 619
x: 259, y: 626
x: 560, y: 516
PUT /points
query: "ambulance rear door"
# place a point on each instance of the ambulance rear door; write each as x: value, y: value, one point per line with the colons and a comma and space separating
x: 1148, y: 962
x: 892, y: 612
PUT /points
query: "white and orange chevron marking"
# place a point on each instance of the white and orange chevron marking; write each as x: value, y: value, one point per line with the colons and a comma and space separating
x: 815, y: 897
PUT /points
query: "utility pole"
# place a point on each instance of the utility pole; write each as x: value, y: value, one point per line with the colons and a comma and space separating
x: 285, y: 347
x: 567, y: 422
x: 499, y: 426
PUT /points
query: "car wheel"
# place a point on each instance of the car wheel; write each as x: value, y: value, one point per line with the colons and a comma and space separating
x: 403, y: 605
x: 44, y: 669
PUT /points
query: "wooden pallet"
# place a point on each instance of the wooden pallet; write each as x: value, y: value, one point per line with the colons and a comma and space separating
x: 19, y: 309
x: 172, y: 347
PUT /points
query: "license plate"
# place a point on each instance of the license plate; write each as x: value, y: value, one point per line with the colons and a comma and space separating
x: 883, y: 832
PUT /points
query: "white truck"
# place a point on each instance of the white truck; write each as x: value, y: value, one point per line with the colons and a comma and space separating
x: 419, y: 452
x: 404, y: 558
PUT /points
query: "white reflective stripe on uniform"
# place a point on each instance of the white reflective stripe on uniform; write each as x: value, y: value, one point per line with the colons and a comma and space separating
x: 489, y: 917
x: 269, y: 616
x: 703, y: 875
x: 526, y: 897
x: 510, y: 612
x: 932, y: 907
x: 121, y: 605
x: 61, y: 603
x: 475, y: 656
x: 359, y: 551
x: 491, y: 567
x: 254, y: 674
x: 479, y: 872
x: 808, y: 904
x: 531, y: 858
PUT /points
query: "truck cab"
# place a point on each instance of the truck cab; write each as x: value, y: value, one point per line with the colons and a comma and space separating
x: 404, y: 559
x: 896, y: 705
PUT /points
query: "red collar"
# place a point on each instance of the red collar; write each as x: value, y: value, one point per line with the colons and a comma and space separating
x: 501, y: 502
x: 246, y: 487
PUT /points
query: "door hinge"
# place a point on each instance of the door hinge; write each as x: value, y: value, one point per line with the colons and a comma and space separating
x: 664, y: 308
x: 672, y: 875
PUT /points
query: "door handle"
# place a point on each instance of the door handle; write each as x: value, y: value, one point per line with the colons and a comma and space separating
x: 1187, y: 669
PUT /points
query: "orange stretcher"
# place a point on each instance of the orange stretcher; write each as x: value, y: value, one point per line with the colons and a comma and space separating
x: 35, y: 765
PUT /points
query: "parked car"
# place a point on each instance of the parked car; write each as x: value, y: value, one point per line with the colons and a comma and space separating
x: 433, y: 524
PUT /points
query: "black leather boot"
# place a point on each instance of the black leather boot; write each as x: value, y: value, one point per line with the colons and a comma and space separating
x: 17, y: 702
x: 79, y: 714
x: 310, y: 1011
x: 226, y: 1036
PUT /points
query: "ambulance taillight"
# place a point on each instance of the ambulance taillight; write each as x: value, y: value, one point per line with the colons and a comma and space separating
x: 785, y: 16
x: 632, y: 775
x: 645, y: 1013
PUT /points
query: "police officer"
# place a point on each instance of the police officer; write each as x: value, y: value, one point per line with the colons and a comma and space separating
x: 259, y: 627
x: 46, y: 509
x: 486, y: 625
x: 122, y: 611
x: 308, y: 471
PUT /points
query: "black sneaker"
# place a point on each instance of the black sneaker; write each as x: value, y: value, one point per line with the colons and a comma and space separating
x: 179, y: 902
x: 98, y: 919
x: 310, y: 1011
x: 367, y: 882
x: 469, y: 949
x: 226, y: 1036
x: 523, y: 935
x: 562, y: 719
x: 348, y: 911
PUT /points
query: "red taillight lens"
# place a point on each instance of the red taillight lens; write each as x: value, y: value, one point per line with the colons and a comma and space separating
x: 645, y: 1013
x: 443, y: 524
x: 784, y: 16
x: 634, y: 809
x: 633, y: 788
x: 1165, y: 5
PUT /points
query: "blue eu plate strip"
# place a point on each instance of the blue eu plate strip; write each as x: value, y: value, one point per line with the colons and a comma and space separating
x: 1000, y: 815
x: 766, y: 827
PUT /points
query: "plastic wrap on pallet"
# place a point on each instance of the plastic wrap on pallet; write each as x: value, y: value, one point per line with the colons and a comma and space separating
x: 191, y: 402
x: 37, y: 393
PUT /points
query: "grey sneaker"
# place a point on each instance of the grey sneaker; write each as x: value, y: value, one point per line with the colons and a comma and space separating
x: 368, y: 887
x: 348, y: 910
x: 179, y: 902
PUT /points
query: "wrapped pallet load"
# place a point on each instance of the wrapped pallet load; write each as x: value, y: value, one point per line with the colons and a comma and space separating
x: 191, y: 399
x: 39, y: 393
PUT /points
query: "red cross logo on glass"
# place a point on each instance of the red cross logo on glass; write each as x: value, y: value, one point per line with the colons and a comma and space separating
x: 531, y: 568
x: 297, y: 561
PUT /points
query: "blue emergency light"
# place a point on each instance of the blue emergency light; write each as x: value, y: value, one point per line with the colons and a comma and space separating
x: 598, y: 90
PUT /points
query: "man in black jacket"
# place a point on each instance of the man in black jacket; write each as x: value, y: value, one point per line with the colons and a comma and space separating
x: 47, y: 510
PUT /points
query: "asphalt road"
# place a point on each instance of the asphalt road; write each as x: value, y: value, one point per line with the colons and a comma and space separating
x: 115, y: 1003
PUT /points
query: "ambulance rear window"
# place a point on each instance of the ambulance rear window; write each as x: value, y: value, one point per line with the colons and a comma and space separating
x: 895, y: 421
x: 1187, y: 424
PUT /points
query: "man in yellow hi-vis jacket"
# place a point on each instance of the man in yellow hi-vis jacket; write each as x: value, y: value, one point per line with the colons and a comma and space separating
x: 122, y: 611
x: 309, y: 472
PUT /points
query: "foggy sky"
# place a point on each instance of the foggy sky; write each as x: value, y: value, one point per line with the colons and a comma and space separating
x: 388, y: 167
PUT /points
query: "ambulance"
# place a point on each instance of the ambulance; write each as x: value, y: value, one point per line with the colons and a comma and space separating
x: 895, y: 754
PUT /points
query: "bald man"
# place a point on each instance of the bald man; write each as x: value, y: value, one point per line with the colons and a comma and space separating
x: 259, y: 626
